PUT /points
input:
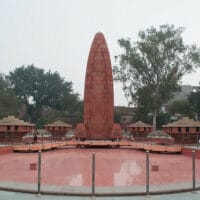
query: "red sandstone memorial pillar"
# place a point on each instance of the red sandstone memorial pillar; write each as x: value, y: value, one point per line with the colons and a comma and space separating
x: 98, y: 95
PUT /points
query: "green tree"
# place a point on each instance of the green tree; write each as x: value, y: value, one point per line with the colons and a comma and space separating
x: 194, y: 99
x: 182, y: 107
x: 9, y: 103
x: 141, y: 114
x: 38, y: 90
x: 162, y: 119
x: 4, y: 84
x: 155, y: 64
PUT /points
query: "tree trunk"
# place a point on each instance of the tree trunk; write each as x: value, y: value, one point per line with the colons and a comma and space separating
x: 154, y: 120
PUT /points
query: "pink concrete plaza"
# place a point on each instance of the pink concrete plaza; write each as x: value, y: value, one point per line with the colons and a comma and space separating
x: 114, y: 167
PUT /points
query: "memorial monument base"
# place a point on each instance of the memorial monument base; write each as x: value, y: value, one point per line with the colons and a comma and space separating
x: 83, y: 134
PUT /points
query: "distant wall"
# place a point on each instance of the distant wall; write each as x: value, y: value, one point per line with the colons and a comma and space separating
x: 188, y: 152
x: 6, y: 150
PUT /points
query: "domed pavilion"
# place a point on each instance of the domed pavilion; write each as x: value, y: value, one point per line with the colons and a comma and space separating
x: 184, y: 130
x: 58, y: 129
x: 13, y: 129
x: 139, y: 129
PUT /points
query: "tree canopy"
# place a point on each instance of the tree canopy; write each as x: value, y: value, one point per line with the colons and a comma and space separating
x: 194, y: 99
x: 38, y: 89
x: 182, y: 107
x: 9, y: 103
x: 151, y: 67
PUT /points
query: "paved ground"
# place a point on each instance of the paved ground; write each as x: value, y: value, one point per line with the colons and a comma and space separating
x: 114, y: 167
x: 4, y: 195
x: 117, y: 171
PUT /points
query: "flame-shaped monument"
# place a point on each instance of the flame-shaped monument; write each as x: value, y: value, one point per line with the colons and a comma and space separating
x: 98, y: 96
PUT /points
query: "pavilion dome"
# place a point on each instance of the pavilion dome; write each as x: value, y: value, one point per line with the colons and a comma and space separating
x: 139, y: 124
x: 12, y: 120
x: 184, y: 122
x: 58, y: 124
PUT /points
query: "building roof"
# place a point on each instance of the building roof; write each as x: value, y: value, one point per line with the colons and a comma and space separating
x: 58, y: 123
x: 184, y: 122
x: 12, y: 120
x: 139, y: 124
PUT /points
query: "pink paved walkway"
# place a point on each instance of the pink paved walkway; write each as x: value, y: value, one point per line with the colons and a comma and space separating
x: 114, y: 167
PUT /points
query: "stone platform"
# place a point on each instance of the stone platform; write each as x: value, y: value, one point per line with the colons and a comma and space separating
x: 96, y: 143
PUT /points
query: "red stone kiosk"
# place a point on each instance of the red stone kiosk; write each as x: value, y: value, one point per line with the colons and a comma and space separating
x: 184, y: 130
x: 98, y: 97
x: 139, y: 129
x: 13, y: 129
x: 58, y: 129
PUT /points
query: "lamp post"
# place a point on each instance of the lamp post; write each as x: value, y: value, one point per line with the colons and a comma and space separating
x: 147, y: 172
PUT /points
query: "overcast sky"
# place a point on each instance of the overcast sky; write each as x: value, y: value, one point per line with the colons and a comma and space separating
x: 57, y: 34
